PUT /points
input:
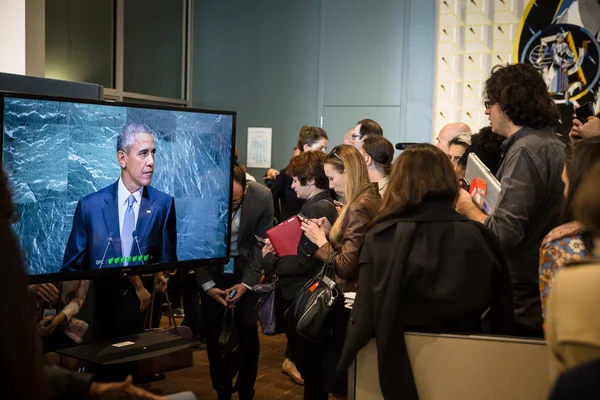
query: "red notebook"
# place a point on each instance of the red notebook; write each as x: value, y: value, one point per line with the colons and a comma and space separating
x: 286, y: 236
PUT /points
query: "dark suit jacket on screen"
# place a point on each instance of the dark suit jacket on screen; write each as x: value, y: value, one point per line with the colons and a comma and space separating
x: 97, y: 217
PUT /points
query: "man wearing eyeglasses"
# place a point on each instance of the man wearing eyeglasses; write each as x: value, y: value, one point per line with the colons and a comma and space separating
x: 364, y: 128
x: 520, y: 109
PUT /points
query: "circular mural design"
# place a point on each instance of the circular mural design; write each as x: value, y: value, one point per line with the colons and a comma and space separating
x: 560, y: 38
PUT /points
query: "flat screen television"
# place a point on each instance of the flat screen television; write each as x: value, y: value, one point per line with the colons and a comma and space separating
x: 116, y: 188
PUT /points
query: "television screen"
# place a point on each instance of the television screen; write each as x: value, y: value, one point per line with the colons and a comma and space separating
x: 105, y: 187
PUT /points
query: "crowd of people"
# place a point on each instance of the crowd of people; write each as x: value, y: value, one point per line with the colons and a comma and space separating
x: 404, y: 241
x: 417, y: 254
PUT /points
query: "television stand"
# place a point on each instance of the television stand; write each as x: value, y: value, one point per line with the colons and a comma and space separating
x: 116, y: 355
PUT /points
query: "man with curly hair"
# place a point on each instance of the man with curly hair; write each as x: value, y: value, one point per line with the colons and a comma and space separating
x: 520, y: 110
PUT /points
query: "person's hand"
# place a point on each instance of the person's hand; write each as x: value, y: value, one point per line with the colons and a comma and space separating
x: 574, y: 134
x: 338, y: 206
x: 218, y: 294
x: 49, y: 323
x: 464, y: 202
x: 271, y: 174
x: 240, y: 290
x: 582, y: 131
x: 120, y: 390
x: 45, y: 292
x: 144, y: 296
x: 268, y: 248
x: 160, y: 282
x: 324, y: 223
x: 314, y: 232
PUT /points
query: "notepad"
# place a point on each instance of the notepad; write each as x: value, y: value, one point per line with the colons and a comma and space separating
x: 484, y: 187
x: 286, y: 236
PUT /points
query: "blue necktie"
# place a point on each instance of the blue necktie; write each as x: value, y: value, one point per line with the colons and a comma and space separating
x: 128, y: 228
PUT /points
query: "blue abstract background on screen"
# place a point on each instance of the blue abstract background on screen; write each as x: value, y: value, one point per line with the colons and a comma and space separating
x: 57, y: 152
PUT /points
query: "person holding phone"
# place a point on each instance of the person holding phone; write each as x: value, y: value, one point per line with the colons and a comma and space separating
x: 586, y: 124
x: 311, y: 185
x: 347, y: 172
x: 231, y: 285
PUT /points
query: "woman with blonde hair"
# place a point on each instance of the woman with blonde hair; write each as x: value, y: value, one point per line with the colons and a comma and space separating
x: 348, y: 176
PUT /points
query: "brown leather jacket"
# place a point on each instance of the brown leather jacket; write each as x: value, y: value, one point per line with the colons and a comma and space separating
x: 354, y: 227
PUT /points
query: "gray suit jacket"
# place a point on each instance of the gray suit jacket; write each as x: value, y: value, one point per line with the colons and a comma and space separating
x: 256, y: 219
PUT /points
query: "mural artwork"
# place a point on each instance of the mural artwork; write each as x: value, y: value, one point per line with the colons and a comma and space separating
x: 561, y: 38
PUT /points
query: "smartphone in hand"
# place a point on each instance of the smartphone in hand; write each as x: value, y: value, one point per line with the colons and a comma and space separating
x: 584, y: 112
x: 302, y: 218
x: 232, y: 294
x: 260, y: 239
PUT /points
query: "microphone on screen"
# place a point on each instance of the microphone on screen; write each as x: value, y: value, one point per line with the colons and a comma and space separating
x: 135, y: 238
x: 108, y: 243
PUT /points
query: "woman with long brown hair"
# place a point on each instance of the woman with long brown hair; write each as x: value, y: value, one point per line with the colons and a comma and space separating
x: 425, y: 268
x: 348, y: 176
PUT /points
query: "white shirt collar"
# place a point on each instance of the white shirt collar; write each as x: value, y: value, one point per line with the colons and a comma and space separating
x: 123, y: 193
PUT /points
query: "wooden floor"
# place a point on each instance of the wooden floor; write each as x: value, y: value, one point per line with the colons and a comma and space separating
x: 271, y: 383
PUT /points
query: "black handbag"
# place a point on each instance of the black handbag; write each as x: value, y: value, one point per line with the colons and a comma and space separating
x: 310, y: 309
x: 267, y: 308
x: 229, y: 345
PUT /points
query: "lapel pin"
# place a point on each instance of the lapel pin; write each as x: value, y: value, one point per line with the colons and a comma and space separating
x: 148, y: 211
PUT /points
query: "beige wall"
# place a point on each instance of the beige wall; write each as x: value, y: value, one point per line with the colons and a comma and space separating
x: 22, y: 37
x: 471, y: 37
x: 448, y: 367
x: 12, y: 36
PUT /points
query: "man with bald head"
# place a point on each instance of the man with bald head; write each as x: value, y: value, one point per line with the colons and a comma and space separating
x: 449, y: 132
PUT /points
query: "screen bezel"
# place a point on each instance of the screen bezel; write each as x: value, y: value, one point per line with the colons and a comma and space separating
x: 148, y: 268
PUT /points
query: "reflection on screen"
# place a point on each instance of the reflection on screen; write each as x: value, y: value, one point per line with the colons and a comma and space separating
x: 65, y: 172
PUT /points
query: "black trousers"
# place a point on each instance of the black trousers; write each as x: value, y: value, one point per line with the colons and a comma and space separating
x: 185, y: 293
x: 335, y: 381
x: 117, y: 308
x: 249, y: 345
x: 308, y: 358
x: 191, y: 303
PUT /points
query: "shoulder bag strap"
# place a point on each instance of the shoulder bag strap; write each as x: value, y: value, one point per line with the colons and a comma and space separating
x: 170, y: 315
x: 148, y: 326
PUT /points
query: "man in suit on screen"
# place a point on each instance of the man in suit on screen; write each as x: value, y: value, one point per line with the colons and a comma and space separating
x: 128, y: 223
x: 105, y: 222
